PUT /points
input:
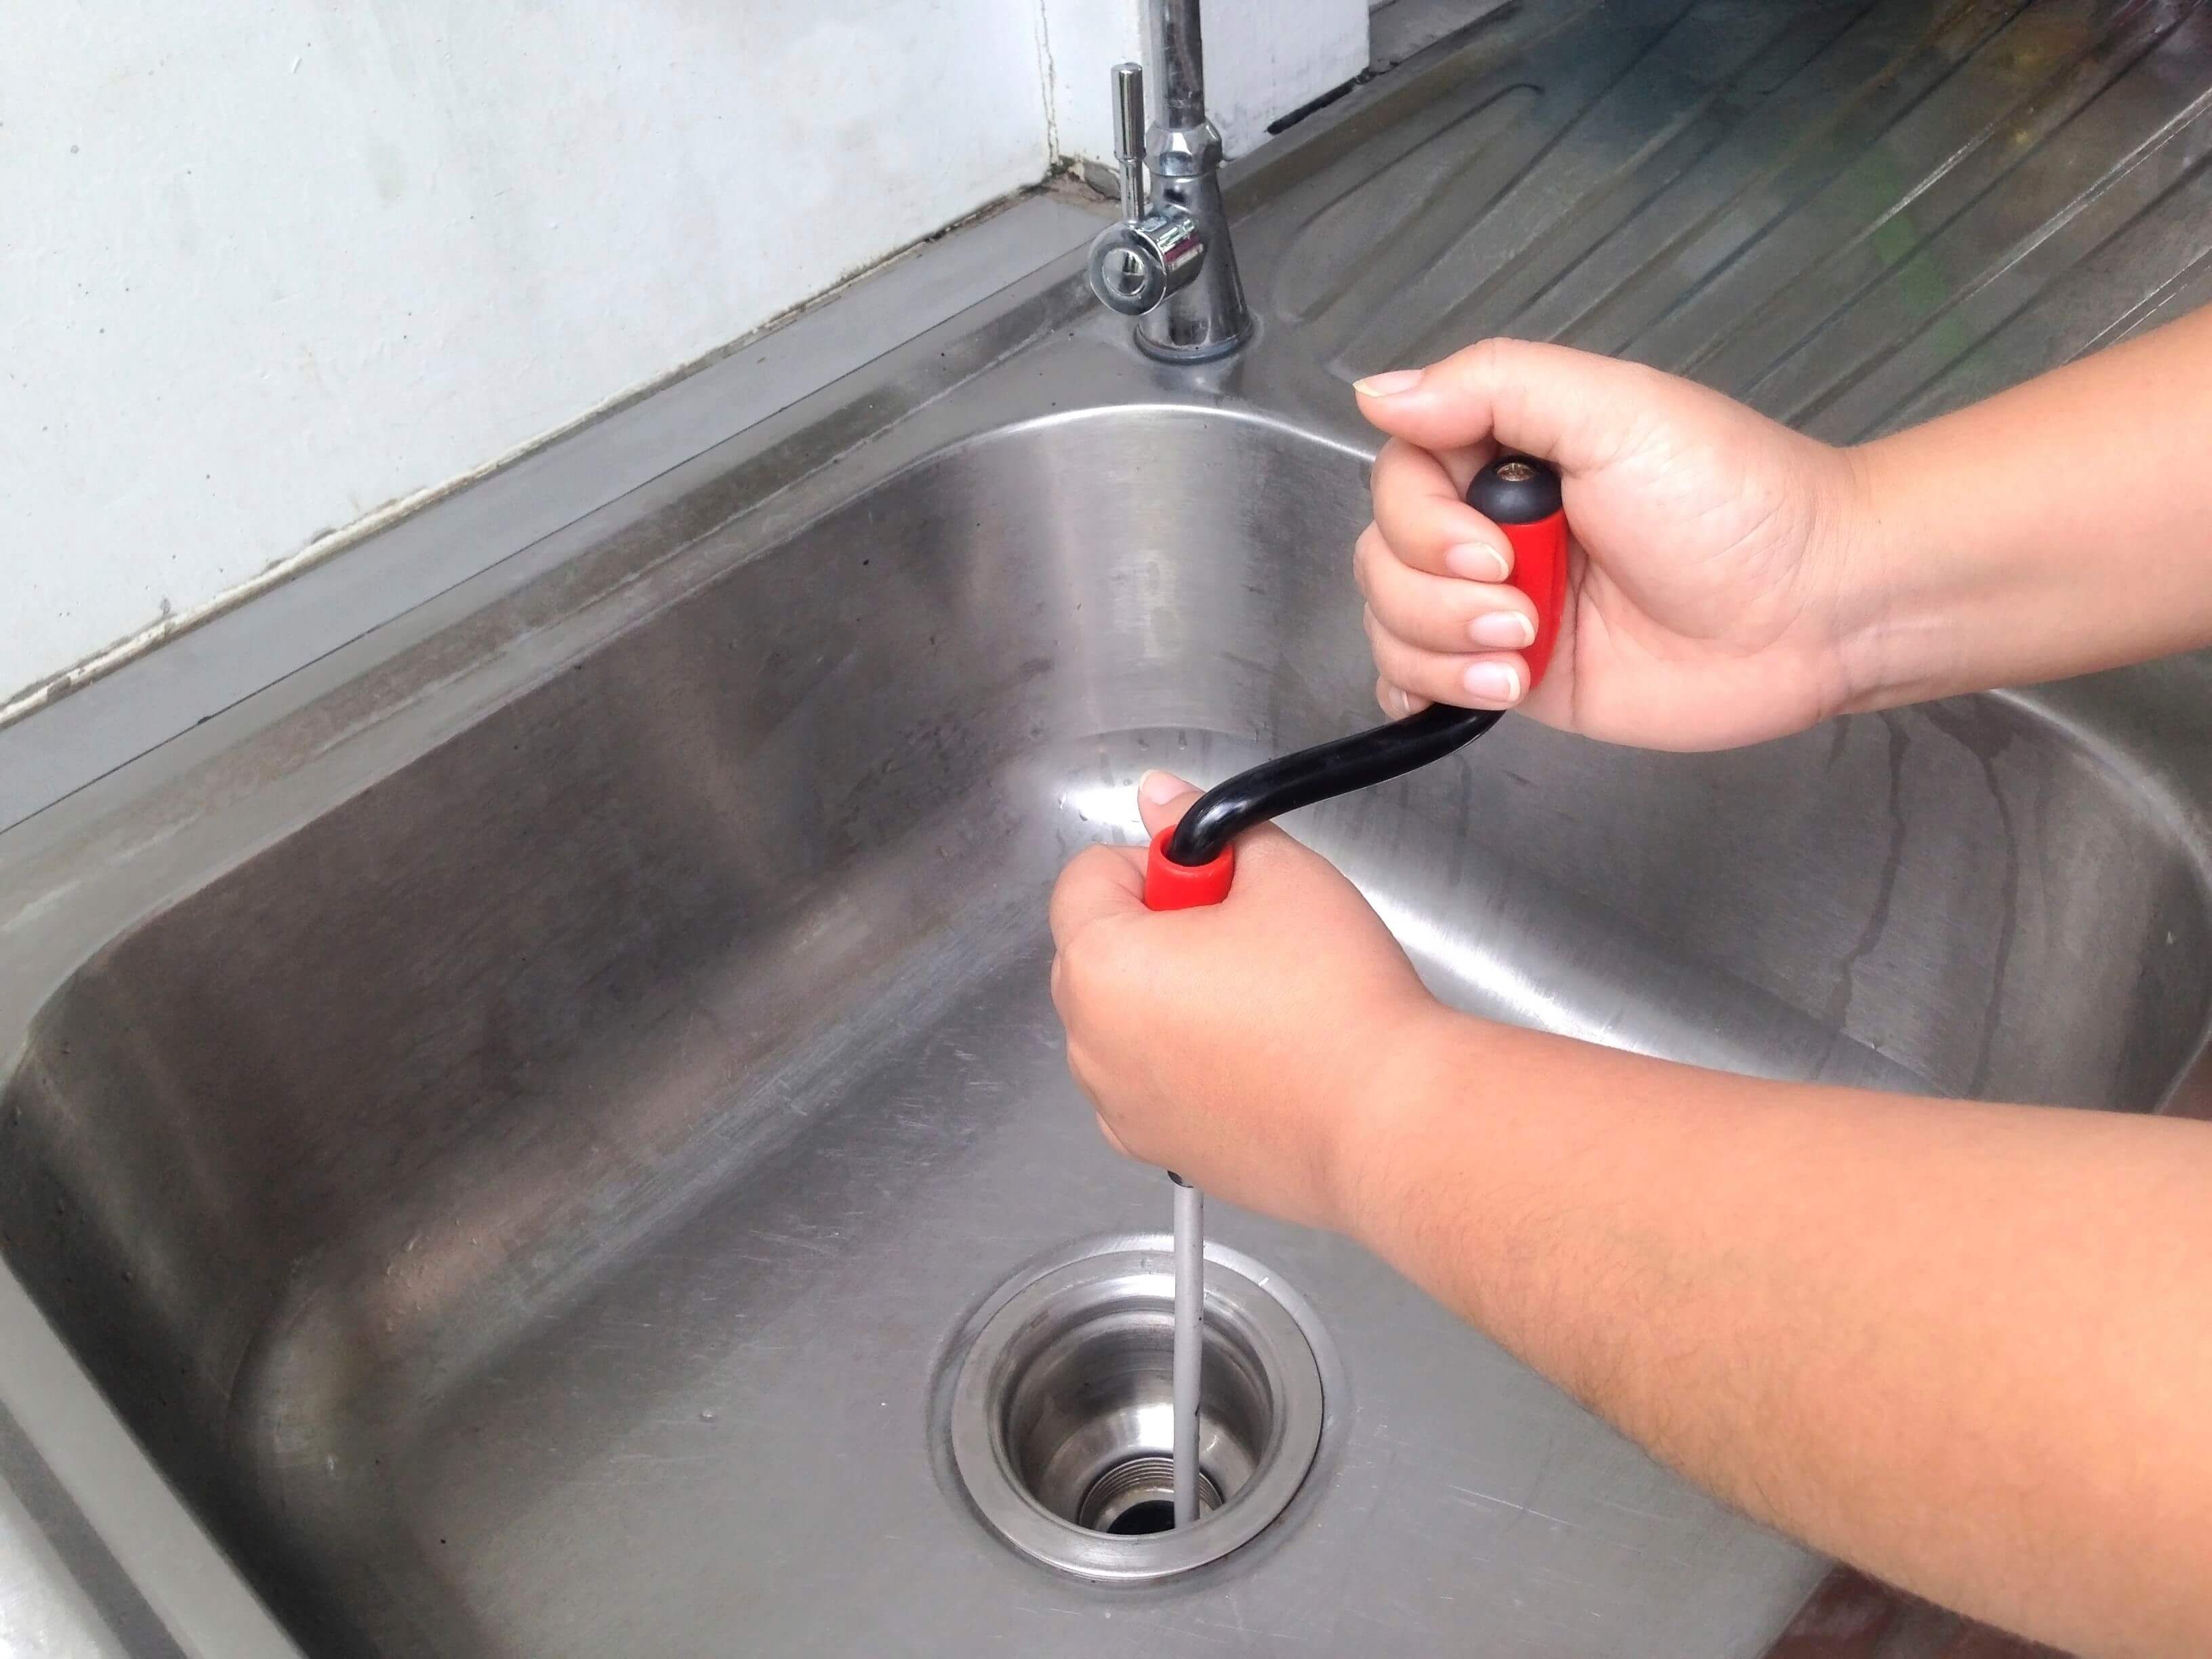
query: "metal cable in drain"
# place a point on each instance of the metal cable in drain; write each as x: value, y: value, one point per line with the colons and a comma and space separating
x: 1189, y: 1342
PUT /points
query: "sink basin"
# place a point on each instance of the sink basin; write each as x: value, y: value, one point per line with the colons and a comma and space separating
x: 526, y: 1203
x: 518, y: 1134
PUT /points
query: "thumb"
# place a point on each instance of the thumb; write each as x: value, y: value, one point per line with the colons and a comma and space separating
x: 1161, y: 799
x: 1543, y: 400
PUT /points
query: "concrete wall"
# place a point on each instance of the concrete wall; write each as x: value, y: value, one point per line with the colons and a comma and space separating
x: 270, y: 272
x: 1263, y: 59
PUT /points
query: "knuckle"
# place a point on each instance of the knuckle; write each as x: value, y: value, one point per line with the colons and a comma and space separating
x: 1089, y: 971
x: 1403, y: 618
x: 1392, y: 657
x: 1113, y: 1136
x: 1073, y: 978
x: 1388, y: 480
x: 1386, y: 643
x: 1501, y: 356
x: 1472, y: 365
x: 1080, y: 1068
x: 1422, y: 672
x: 1365, y: 552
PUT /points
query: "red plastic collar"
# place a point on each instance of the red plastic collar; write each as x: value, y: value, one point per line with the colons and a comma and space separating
x: 1172, y: 886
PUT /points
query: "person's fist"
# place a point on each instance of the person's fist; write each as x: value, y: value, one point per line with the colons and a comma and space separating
x: 1716, y: 566
x: 1239, y: 1045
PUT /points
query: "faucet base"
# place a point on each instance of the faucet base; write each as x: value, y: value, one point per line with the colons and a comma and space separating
x: 1205, y: 317
x: 1166, y: 351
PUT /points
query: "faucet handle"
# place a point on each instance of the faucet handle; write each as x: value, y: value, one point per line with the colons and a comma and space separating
x: 1137, y: 263
x: 1129, y: 136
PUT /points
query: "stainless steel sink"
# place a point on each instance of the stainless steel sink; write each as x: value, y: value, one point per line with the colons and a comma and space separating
x: 517, y: 1126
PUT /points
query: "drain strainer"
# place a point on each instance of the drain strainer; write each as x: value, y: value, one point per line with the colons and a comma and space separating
x: 1062, y: 1412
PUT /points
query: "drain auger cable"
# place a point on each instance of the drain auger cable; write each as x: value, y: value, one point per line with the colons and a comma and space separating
x: 1194, y: 864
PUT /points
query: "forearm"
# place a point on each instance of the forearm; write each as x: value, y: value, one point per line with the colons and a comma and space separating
x: 1968, y: 1347
x: 2061, y: 526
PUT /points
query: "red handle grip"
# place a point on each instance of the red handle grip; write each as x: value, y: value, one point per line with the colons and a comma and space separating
x: 1172, y: 886
x: 1540, y: 570
x: 1521, y: 496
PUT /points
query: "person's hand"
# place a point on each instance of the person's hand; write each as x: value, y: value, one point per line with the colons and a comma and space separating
x: 1718, y: 563
x: 1238, y: 1045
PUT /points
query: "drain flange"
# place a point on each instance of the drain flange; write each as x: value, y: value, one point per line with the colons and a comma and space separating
x: 1062, y: 1411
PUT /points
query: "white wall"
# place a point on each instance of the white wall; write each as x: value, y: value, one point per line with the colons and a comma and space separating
x: 267, y: 269
x: 1263, y: 59
x: 273, y: 270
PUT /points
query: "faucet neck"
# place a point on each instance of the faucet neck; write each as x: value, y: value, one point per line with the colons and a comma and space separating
x: 1179, y: 57
x: 1209, y: 317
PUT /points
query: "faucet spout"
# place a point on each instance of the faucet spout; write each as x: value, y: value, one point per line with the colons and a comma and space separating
x: 1179, y: 50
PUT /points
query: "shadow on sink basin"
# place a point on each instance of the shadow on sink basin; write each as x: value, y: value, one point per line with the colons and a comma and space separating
x: 520, y: 1207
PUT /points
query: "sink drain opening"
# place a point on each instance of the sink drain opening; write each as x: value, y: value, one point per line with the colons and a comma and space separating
x: 1137, y: 1499
x: 1062, y: 1415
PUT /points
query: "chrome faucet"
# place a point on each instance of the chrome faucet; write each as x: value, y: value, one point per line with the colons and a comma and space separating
x: 1172, y: 266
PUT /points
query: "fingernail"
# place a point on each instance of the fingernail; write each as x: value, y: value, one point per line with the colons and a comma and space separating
x: 1492, y: 682
x: 1161, y: 787
x: 1389, y: 384
x: 1508, y: 629
x: 1478, y: 562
